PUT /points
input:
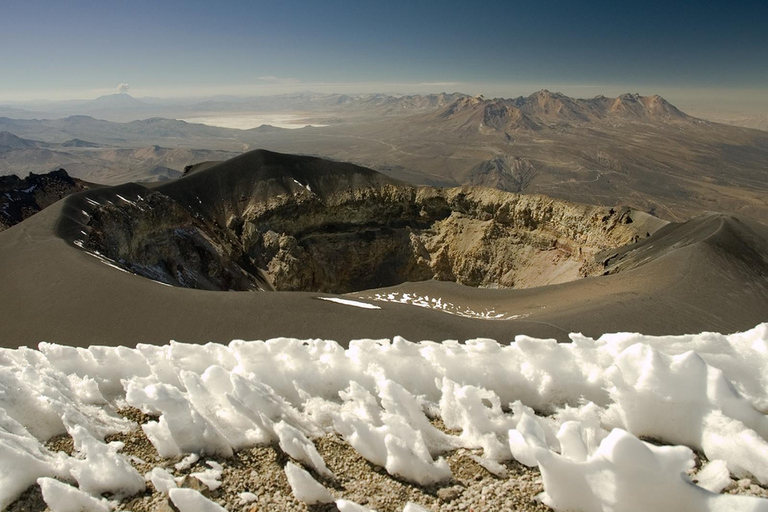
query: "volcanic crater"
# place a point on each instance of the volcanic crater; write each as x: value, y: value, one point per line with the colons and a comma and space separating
x: 267, y: 221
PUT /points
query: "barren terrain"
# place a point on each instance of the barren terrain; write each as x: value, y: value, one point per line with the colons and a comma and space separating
x: 631, y: 150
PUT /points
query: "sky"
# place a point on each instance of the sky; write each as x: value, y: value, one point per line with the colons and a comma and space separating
x: 83, y: 49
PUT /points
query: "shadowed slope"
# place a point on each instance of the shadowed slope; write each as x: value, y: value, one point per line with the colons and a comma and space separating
x: 259, y: 175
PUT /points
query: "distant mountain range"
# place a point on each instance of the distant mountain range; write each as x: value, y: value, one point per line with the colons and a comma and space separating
x: 536, y: 111
x: 9, y: 142
x: 636, y: 150
x: 123, y: 107
x: 94, y: 161
x: 120, y: 101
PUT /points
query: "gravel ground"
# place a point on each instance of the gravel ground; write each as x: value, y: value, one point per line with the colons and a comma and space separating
x: 259, y: 470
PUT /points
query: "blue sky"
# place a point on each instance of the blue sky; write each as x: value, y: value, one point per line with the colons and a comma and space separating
x: 80, y: 49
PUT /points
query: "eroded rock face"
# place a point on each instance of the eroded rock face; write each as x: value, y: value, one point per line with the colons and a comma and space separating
x: 22, y: 198
x: 150, y: 234
x: 477, y: 237
x: 355, y: 239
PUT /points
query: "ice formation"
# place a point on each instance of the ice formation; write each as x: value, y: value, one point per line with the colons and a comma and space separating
x: 247, y: 497
x: 211, y: 478
x: 412, y: 507
x: 296, y: 445
x: 351, y: 506
x: 189, y: 500
x: 304, y: 487
x: 582, y: 412
x: 61, y: 497
x: 162, y: 480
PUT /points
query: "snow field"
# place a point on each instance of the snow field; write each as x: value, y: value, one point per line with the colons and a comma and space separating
x: 575, y: 410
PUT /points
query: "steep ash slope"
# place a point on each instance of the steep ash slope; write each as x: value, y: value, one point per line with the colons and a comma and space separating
x: 265, y: 221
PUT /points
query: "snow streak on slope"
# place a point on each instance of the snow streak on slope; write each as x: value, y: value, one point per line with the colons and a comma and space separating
x: 348, y: 302
x: 438, y: 304
x: 574, y: 410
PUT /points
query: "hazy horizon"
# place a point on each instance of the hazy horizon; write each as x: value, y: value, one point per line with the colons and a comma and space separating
x: 708, y: 54
x: 711, y: 101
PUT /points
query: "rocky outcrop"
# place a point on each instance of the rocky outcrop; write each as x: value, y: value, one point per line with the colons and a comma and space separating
x: 150, y: 234
x: 341, y: 232
x: 21, y: 198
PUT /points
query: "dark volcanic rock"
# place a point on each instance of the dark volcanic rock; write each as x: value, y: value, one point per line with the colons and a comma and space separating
x: 20, y: 198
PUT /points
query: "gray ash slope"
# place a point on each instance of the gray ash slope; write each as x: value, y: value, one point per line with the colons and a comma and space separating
x: 266, y: 221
